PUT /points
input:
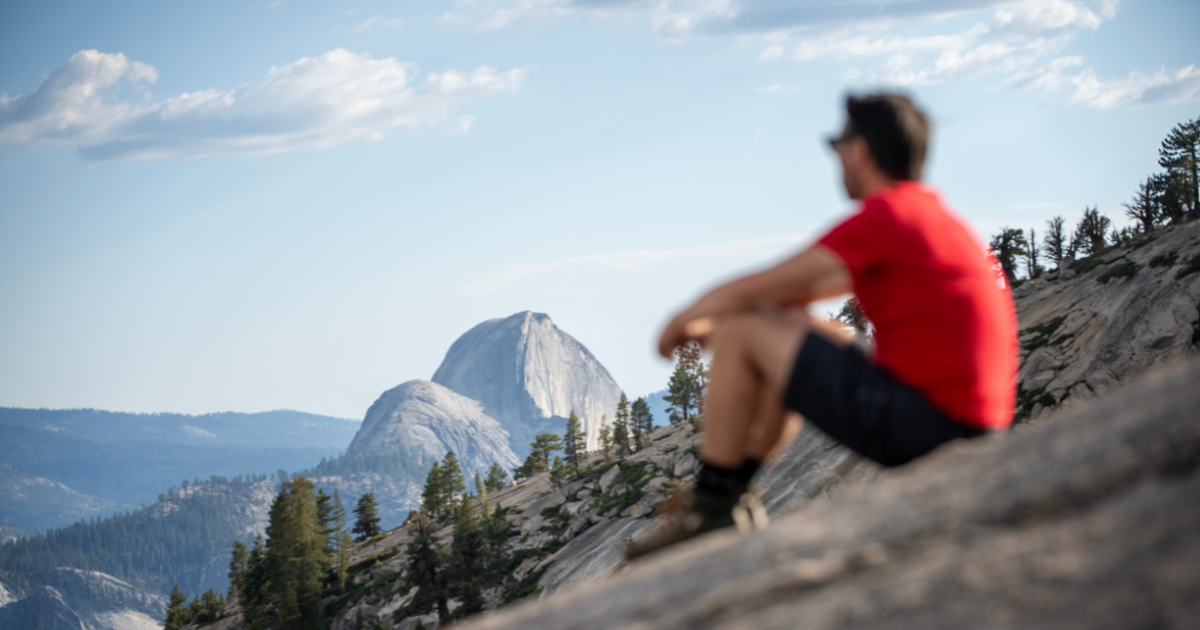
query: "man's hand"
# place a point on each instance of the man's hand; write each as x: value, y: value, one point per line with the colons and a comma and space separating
x: 814, y: 274
x: 697, y: 321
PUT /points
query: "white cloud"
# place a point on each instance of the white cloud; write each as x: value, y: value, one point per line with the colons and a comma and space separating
x: 1162, y: 87
x: 636, y: 260
x: 379, y: 23
x: 312, y: 103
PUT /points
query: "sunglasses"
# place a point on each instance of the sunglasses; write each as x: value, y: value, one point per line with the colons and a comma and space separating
x: 835, y: 140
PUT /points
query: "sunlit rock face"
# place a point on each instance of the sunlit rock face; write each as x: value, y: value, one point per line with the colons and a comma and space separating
x: 530, y: 375
x: 423, y: 417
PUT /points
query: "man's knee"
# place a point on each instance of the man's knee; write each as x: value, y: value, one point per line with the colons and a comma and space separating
x: 765, y: 338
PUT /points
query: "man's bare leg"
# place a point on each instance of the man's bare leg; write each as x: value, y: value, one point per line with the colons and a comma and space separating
x: 753, y: 356
x: 745, y: 420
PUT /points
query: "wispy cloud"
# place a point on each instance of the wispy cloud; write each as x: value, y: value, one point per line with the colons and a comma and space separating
x: 311, y: 103
x: 379, y: 23
x: 1010, y: 39
x: 1087, y: 88
x: 635, y: 260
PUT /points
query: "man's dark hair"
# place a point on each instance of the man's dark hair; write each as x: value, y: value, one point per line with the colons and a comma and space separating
x: 896, y: 132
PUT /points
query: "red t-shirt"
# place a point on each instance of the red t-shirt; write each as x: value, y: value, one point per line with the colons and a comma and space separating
x: 944, y: 322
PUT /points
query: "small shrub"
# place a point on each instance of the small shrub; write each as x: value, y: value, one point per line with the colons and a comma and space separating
x: 1164, y: 260
x: 1042, y: 334
x: 1084, y: 265
x: 1120, y: 271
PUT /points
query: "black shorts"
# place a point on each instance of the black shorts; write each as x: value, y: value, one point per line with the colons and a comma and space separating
x: 862, y: 406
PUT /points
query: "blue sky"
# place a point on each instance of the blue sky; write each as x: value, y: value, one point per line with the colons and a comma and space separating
x: 210, y: 206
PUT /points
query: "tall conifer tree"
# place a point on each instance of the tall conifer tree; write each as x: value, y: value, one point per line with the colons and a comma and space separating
x: 366, y: 513
x: 574, y: 443
x: 641, y: 422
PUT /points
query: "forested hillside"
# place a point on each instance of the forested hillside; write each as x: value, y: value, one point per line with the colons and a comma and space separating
x: 171, y: 542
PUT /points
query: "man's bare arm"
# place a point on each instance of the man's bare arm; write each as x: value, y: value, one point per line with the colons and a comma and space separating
x: 813, y: 274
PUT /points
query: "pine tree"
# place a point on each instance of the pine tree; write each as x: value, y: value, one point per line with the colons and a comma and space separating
x: 453, y: 483
x: 469, y: 553
x: 425, y: 570
x: 1091, y: 233
x: 1055, y: 245
x: 685, y: 388
x: 325, y: 519
x: 606, y: 438
x: 558, y: 473
x: 495, y: 477
x: 1007, y: 247
x: 574, y: 443
x: 620, y: 430
x: 543, y: 445
x: 641, y: 422
x: 433, y: 496
x: 296, y: 558
x: 1033, y: 268
x: 1144, y: 208
x: 210, y: 607
x: 366, y: 512
x: 1170, y: 196
x: 237, y: 568
x: 1179, y: 155
x: 177, y: 611
x: 342, y: 541
x: 255, y: 597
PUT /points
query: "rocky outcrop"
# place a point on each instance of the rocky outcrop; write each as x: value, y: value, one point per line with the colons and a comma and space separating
x: 422, y: 417
x: 1086, y: 521
x: 83, y: 600
x: 1108, y: 319
x: 530, y: 375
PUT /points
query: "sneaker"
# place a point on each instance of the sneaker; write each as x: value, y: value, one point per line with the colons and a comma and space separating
x: 704, y: 513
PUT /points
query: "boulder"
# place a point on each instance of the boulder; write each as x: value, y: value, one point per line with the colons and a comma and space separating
x: 609, y: 478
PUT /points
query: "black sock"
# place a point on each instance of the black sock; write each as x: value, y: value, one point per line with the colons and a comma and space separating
x: 719, y: 480
x: 748, y: 470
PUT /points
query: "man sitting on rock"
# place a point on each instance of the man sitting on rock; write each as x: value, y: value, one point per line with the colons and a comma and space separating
x: 945, y: 348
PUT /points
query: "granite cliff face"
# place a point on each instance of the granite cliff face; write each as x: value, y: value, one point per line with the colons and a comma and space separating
x: 1108, y: 319
x: 427, y: 417
x: 530, y: 375
x: 64, y: 599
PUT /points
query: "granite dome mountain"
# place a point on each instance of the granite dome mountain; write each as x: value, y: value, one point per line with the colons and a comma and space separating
x: 500, y: 383
x: 530, y: 375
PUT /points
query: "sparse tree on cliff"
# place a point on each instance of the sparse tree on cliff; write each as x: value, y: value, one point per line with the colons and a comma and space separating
x: 1144, y: 208
x: 1179, y: 154
x: 1007, y: 247
x: 1091, y: 233
x: 1055, y: 245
